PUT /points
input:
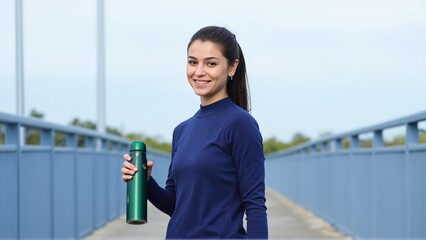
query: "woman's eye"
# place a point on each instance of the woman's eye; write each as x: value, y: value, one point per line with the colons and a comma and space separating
x: 211, y: 64
x: 192, y: 62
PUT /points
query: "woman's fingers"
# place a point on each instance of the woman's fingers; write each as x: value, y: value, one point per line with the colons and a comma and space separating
x: 127, y: 157
x: 127, y: 177
x: 130, y: 166
x: 128, y: 169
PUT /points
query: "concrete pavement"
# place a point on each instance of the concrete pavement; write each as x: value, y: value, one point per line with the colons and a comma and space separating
x: 286, y: 220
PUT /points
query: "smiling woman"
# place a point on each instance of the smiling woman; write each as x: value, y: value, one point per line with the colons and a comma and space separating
x: 217, y: 171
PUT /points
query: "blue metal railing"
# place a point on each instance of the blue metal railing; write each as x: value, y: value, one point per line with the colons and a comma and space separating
x: 376, y: 192
x: 68, y: 191
x: 50, y: 191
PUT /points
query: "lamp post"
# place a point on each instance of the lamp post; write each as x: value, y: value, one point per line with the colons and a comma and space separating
x: 101, y: 89
x: 20, y: 111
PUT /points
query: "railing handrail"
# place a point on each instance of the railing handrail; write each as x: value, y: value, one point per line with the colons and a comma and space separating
x: 6, y: 118
x: 410, y: 119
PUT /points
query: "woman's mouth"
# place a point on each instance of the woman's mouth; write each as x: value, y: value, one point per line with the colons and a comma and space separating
x: 202, y: 82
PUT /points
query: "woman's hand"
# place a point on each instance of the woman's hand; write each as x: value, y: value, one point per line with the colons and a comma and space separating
x: 129, y: 169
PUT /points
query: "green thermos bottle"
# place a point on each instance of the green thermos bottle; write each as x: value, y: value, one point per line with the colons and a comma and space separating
x: 136, y: 202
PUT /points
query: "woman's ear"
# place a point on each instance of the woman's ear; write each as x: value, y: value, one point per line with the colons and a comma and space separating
x: 233, y: 68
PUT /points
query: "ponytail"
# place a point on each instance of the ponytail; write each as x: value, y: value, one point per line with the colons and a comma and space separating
x: 238, y: 86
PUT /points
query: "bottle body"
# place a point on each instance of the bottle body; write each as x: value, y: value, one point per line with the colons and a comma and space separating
x: 136, y: 201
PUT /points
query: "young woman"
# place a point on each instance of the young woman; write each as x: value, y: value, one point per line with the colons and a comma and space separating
x: 217, y: 169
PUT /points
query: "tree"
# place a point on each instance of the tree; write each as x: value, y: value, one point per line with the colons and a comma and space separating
x: 155, y: 143
x: 32, y: 136
x: 92, y: 125
x: 422, y: 136
x: 273, y: 145
x: 85, y: 124
x: 36, y: 114
x: 2, y: 134
x: 298, y: 139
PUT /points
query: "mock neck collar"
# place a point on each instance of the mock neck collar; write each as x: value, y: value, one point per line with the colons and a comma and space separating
x: 213, y: 108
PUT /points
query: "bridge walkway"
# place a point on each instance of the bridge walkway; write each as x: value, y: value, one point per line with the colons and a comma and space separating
x: 286, y: 220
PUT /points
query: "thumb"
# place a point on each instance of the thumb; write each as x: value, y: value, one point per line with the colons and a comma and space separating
x: 149, y: 165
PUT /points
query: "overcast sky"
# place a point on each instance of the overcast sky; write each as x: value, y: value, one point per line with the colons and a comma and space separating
x: 313, y: 66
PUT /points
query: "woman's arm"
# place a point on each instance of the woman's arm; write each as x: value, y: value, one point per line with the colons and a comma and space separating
x: 162, y: 198
x: 247, y: 151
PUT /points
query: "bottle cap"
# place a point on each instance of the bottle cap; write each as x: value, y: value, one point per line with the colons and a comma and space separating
x: 138, y: 146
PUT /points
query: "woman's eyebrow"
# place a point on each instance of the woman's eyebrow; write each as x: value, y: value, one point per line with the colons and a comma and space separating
x: 208, y: 58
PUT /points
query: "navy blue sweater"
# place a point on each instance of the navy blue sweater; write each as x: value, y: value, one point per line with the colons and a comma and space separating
x: 216, y: 174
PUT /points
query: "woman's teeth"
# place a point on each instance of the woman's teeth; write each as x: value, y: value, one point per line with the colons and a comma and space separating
x: 202, y: 81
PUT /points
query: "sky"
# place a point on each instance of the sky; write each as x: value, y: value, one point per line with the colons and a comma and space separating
x: 313, y: 66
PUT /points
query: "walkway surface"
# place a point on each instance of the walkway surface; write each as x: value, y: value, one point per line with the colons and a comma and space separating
x: 286, y: 220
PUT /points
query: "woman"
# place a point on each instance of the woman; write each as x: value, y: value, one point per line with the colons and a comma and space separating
x: 217, y: 169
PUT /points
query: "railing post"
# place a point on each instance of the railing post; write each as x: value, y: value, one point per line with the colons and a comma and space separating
x: 378, y: 139
x: 13, y: 137
x: 412, y: 134
x: 378, y: 142
x: 354, y: 142
x: 411, y: 137
x: 12, y: 134
x: 92, y: 144
x: 324, y: 147
x: 47, y: 139
x: 337, y: 144
x: 314, y: 149
x: 72, y: 142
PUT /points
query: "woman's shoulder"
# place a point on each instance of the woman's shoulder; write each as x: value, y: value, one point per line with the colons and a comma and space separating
x: 240, y: 117
x: 179, y: 128
x: 182, y: 124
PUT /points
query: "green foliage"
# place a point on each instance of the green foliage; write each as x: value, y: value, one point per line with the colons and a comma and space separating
x: 397, y: 140
x: 368, y: 143
x: 298, y: 139
x: 36, y: 114
x: 60, y: 139
x: 422, y: 136
x: 85, y: 124
x: 32, y: 136
x: 151, y: 142
x: 114, y: 131
x: 2, y: 134
x: 345, y: 143
x: 273, y: 145
x: 135, y: 136
x: 92, y: 125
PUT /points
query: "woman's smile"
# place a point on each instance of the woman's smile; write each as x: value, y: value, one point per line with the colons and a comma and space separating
x: 201, y: 83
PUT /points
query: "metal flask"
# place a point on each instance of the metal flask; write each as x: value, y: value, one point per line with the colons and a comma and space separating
x: 136, y: 203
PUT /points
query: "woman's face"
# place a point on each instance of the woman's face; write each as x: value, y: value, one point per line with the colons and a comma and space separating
x: 208, y: 71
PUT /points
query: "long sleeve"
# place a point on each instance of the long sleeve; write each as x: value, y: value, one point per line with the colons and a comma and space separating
x: 162, y: 198
x: 247, y: 151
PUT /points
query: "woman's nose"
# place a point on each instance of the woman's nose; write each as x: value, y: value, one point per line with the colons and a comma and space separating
x: 200, y: 70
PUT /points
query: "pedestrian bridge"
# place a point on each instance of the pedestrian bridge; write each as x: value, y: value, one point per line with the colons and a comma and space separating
x: 69, y: 184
